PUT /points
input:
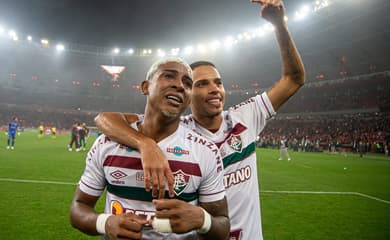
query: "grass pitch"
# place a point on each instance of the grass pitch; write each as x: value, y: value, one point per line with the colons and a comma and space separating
x: 314, y: 196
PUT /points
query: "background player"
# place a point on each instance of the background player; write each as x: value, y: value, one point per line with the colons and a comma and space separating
x: 12, y: 129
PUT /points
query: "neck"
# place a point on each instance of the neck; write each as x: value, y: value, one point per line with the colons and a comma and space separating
x: 158, y: 126
x: 210, y: 123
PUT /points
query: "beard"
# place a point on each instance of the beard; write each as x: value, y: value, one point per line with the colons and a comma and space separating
x: 170, y: 114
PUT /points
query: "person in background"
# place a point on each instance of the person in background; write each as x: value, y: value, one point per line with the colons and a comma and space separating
x: 74, y: 138
x: 40, y: 130
x: 283, y: 149
x: 83, y: 132
x: 12, y: 130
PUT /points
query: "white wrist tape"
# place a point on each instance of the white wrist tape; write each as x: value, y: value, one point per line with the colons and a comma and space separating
x: 206, y: 223
x: 162, y: 225
x: 101, y: 223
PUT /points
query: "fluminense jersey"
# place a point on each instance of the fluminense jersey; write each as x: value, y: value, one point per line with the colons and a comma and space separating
x: 195, y: 162
x: 236, y: 138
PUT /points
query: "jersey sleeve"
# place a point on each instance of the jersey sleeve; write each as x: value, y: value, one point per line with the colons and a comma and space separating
x: 212, y: 188
x: 255, y: 111
x: 93, y: 180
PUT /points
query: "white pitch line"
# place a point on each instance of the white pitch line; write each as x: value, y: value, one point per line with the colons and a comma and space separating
x: 35, y: 181
x: 329, y: 193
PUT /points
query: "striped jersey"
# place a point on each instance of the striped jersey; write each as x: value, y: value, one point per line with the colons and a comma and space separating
x: 236, y: 139
x: 195, y: 162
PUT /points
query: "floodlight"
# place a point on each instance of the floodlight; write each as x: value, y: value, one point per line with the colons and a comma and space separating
x: 188, y: 50
x: 29, y: 38
x: 160, y: 53
x: 201, y: 48
x: 11, y: 33
x: 44, y: 41
x: 175, y: 51
x: 116, y: 50
x: 214, y: 45
x: 130, y: 51
x: 228, y: 41
x: 60, y: 47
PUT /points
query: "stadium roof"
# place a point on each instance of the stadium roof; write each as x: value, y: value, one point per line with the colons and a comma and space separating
x: 355, y: 30
x: 130, y: 22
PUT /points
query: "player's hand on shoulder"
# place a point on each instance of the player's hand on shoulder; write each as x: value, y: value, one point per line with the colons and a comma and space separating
x: 157, y: 172
x: 125, y: 226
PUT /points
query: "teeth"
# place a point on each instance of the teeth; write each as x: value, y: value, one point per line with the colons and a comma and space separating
x: 214, y: 100
x: 174, y: 98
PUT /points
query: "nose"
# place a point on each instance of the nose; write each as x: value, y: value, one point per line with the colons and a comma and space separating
x: 213, y: 88
x: 178, y: 83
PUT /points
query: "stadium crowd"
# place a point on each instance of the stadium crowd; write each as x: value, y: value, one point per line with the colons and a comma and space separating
x: 337, y: 114
x: 333, y: 133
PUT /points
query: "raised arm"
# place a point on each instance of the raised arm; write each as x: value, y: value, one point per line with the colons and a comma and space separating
x: 293, y: 71
x: 156, y: 168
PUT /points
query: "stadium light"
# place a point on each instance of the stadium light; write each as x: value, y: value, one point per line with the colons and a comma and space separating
x: 228, y: 41
x: 44, y: 41
x: 304, y: 11
x: 116, y: 50
x: 60, y: 47
x: 201, y: 48
x: 12, y: 34
x: 175, y: 51
x: 214, y: 45
x: 188, y: 50
x: 160, y: 53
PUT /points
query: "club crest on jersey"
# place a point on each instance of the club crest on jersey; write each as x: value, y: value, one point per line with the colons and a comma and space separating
x: 181, y: 181
x: 235, y: 142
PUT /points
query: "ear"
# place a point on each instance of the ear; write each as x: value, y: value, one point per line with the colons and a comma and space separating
x: 145, y: 87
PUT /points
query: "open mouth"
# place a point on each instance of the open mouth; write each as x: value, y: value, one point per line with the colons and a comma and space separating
x: 175, y: 98
x: 215, y: 102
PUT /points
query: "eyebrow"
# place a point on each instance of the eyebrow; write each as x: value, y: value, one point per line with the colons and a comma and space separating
x: 175, y: 72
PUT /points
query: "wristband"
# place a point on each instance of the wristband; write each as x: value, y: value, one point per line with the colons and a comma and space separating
x: 206, y: 223
x: 101, y: 223
x: 162, y: 225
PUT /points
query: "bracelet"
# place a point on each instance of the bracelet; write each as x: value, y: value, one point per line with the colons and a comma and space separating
x: 206, y: 223
x: 101, y: 223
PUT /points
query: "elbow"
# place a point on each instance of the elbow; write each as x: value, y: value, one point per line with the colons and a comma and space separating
x: 298, y: 78
x: 99, y: 119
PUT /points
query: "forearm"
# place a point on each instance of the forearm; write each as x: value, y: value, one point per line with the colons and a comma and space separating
x: 220, y: 222
x: 292, y: 65
x: 218, y: 228
x: 293, y: 72
x: 83, y: 216
x: 116, y: 127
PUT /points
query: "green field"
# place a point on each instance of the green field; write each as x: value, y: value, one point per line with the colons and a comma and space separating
x: 315, y: 196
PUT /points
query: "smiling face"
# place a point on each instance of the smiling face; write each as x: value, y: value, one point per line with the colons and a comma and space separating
x: 169, y: 89
x: 208, y: 93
